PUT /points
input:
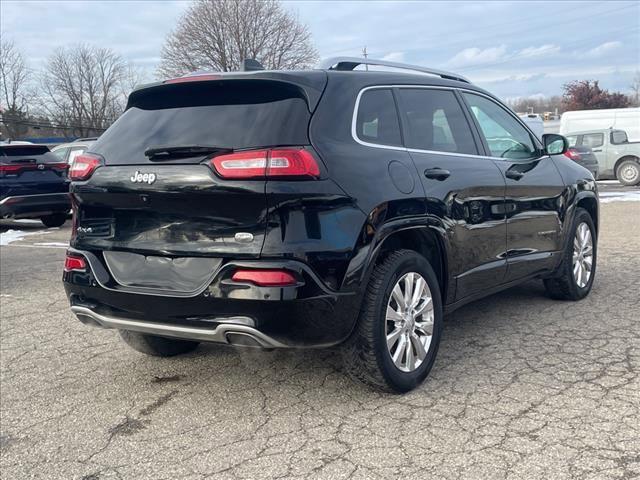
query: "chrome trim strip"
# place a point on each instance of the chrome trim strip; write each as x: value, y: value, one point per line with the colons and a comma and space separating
x: 216, y: 335
x: 60, y: 194
x: 354, y: 122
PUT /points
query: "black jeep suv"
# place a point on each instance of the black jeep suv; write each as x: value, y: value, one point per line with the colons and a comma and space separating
x: 321, y: 207
x: 33, y: 184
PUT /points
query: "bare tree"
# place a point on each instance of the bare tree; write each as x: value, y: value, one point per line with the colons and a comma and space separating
x: 220, y: 34
x: 14, y: 89
x: 83, y: 87
x: 635, y: 89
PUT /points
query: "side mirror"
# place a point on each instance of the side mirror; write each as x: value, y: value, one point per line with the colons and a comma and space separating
x: 554, y: 144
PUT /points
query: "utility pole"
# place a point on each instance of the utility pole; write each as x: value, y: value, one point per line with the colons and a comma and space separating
x: 365, y: 54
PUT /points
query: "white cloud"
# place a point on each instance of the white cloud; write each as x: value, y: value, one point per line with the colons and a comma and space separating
x: 475, y: 56
x: 547, y: 49
x: 603, y: 49
x: 394, y: 57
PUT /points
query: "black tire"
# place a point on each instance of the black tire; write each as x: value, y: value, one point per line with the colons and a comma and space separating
x: 54, y: 220
x: 366, y: 356
x: 628, y: 172
x: 563, y: 286
x: 157, y: 346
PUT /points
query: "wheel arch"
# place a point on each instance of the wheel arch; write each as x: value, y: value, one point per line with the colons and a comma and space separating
x: 424, y: 240
x: 590, y: 204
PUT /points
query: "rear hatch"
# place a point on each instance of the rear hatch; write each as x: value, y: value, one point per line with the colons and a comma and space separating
x: 30, y: 170
x: 157, y: 193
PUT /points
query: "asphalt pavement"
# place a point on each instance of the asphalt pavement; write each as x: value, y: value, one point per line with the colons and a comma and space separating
x: 524, y: 387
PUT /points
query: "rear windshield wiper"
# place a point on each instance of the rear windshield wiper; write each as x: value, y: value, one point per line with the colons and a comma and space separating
x: 165, y: 152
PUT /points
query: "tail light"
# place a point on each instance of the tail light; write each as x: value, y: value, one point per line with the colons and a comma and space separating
x: 74, y: 263
x: 62, y: 166
x: 11, y: 168
x: 280, y: 162
x: 265, y: 278
x: 84, y: 165
x: 573, y: 155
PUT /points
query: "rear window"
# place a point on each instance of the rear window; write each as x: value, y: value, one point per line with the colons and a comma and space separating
x: 27, y: 154
x: 231, y: 114
x: 22, y: 150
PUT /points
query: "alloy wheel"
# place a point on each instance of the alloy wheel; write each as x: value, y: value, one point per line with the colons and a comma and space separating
x: 409, y: 322
x: 582, y: 255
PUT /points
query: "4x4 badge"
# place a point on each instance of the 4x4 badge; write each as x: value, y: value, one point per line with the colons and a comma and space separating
x: 143, y: 177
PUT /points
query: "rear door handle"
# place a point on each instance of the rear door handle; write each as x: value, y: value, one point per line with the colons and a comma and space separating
x: 437, y: 173
x: 598, y: 150
x: 514, y: 174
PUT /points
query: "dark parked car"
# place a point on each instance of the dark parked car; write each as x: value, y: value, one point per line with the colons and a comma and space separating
x: 580, y: 152
x: 320, y: 207
x: 33, y: 184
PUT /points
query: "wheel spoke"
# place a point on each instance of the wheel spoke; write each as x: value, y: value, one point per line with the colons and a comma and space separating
x: 423, y: 306
x: 577, y: 246
x: 408, y: 289
x: 576, y: 270
x: 398, y: 355
x: 426, y: 328
x: 421, y: 353
x: 392, y: 338
x: 409, y: 357
x: 417, y: 291
x: 397, y: 296
x: 393, y: 315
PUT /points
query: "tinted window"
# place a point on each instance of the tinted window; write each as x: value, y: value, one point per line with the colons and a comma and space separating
x: 593, y: 140
x: 506, y: 137
x: 435, y: 121
x: 60, y: 152
x: 618, y: 137
x: 232, y: 114
x: 377, y: 120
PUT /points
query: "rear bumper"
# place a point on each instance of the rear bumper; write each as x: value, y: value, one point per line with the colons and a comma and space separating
x: 305, y: 315
x: 34, y: 205
x: 233, y: 331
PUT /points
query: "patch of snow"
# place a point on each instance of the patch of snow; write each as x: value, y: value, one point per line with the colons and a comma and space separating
x: 11, y: 236
x: 630, y: 196
x: 51, y: 244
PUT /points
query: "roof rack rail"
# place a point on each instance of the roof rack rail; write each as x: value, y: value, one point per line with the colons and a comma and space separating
x: 350, y: 63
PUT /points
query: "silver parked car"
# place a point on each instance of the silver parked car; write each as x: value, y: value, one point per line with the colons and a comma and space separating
x: 617, y: 156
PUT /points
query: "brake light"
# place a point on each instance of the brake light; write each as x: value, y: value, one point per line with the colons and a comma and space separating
x: 573, y: 155
x: 11, y: 168
x: 265, y: 278
x: 193, y: 78
x: 62, y: 166
x: 83, y: 166
x: 280, y: 162
x: 73, y: 263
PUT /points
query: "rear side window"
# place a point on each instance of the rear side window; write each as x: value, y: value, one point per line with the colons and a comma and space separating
x: 619, y: 137
x: 236, y: 114
x: 377, y: 120
x: 593, y: 140
x: 435, y: 121
x: 573, y: 139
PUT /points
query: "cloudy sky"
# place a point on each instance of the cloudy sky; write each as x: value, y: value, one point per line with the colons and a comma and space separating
x: 511, y: 48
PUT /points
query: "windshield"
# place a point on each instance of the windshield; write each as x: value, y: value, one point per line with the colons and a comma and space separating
x: 235, y: 115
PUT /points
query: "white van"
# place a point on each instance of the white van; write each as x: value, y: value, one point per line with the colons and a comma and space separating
x: 534, y: 122
x: 627, y: 119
